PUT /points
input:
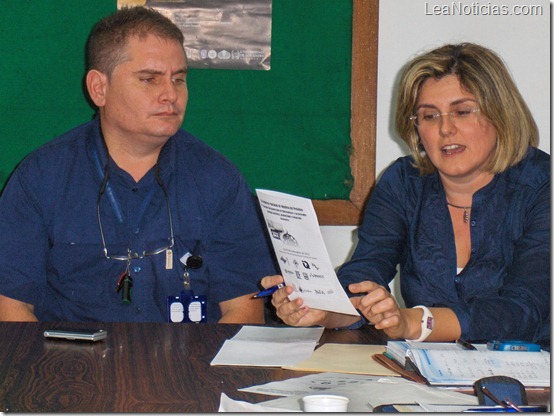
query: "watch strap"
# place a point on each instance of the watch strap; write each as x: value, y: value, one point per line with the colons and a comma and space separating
x: 427, y: 323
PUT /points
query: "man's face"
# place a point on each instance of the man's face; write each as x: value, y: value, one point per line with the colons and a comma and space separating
x: 146, y: 95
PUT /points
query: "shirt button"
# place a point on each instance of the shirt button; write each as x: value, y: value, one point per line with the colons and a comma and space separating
x: 137, y: 230
x: 135, y: 189
x: 138, y: 311
x: 473, y: 250
x: 137, y: 269
x: 457, y: 279
x: 473, y: 223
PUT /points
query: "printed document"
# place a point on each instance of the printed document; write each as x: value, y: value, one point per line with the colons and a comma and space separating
x: 364, y: 395
x: 447, y: 364
x: 303, y: 258
x: 400, y: 350
x: 312, y: 384
x: 463, y: 368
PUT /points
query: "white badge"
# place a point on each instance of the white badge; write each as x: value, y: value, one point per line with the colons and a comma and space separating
x: 169, y: 259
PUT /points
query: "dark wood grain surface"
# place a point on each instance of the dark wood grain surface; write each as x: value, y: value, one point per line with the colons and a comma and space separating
x: 140, y: 367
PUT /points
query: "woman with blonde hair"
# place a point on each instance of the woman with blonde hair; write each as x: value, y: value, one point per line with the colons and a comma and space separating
x: 466, y: 216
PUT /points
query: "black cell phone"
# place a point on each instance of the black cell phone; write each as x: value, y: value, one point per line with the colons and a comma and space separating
x: 501, y: 387
x: 389, y: 408
x: 77, y: 334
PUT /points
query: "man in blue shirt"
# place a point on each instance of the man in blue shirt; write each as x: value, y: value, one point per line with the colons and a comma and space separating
x: 101, y: 224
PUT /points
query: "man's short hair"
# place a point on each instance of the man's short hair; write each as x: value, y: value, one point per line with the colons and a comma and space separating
x: 107, y: 42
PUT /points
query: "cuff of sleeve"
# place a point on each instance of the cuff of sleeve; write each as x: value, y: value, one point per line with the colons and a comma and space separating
x: 355, y: 325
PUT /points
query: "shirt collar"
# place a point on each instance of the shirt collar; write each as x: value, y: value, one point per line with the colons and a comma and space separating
x: 100, y: 156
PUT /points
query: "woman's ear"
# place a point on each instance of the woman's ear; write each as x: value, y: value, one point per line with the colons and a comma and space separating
x: 96, y: 82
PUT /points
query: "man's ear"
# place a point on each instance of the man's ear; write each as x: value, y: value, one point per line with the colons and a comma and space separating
x: 97, y: 82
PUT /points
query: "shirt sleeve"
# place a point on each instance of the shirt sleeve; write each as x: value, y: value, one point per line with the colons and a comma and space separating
x: 382, y: 235
x: 24, y: 241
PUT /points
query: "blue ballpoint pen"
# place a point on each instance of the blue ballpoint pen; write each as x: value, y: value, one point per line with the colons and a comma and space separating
x: 268, y: 292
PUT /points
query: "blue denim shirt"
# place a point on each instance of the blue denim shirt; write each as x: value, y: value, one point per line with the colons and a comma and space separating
x: 504, y: 290
x: 52, y: 253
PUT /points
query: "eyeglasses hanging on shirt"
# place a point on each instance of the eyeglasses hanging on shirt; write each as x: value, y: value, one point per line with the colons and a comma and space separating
x: 125, y: 282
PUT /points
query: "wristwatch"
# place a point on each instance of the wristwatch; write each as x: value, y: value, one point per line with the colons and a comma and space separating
x: 427, y: 323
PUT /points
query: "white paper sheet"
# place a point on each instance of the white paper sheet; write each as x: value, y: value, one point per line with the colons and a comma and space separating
x: 364, y: 392
x: 226, y: 404
x: 310, y: 384
x: 387, y: 390
x: 268, y: 346
x: 301, y: 252
x: 278, y: 334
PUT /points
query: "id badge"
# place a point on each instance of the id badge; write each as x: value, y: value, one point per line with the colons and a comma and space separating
x: 187, y: 308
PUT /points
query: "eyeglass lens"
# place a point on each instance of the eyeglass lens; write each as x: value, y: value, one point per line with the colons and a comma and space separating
x: 430, y: 116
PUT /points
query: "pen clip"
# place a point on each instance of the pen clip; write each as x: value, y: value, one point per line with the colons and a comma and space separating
x: 504, y: 403
x: 491, y: 396
x: 465, y: 345
x: 508, y: 403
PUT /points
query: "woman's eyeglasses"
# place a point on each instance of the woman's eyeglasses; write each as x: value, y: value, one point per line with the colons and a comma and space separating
x: 426, y: 117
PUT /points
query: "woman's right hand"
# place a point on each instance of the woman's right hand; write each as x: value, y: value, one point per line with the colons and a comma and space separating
x: 293, y: 313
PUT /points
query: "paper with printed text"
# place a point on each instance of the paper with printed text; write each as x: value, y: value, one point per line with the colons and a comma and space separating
x: 303, y: 258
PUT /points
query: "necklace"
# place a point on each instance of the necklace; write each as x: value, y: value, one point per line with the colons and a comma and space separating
x: 466, y: 209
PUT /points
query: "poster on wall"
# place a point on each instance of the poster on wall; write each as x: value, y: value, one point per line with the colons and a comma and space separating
x: 220, y: 34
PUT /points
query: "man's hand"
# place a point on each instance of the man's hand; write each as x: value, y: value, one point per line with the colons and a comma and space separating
x: 295, y: 313
x: 242, y: 310
x: 15, y: 310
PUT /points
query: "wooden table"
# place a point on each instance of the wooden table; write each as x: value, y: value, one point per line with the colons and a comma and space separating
x: 141, y: 367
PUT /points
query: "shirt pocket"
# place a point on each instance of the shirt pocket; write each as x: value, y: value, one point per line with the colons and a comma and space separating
x: 186, y: 247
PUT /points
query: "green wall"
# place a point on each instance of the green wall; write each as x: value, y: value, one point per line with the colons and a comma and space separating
x: 286, y: 129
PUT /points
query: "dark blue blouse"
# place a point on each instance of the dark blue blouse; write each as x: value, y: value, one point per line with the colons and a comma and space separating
x: 504, y: 290
x: 52, y: 254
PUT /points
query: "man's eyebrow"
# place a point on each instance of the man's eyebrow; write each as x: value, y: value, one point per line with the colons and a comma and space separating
x: 183, y: 70
x: 148, y: 72
x: 157, y: 72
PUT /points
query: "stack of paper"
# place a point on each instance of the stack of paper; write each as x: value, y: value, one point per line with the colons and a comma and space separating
x: 448, y: 365
x: 268, y: 346
x: 400, y: 350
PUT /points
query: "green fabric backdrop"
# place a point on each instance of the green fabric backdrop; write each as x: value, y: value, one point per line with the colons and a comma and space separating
x: 286, y: 129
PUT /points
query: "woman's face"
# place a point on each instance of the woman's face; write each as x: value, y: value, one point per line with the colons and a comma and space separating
x: 460, y: 146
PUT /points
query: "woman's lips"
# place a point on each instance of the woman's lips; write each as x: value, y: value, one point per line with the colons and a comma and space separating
x: 452, y: 149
